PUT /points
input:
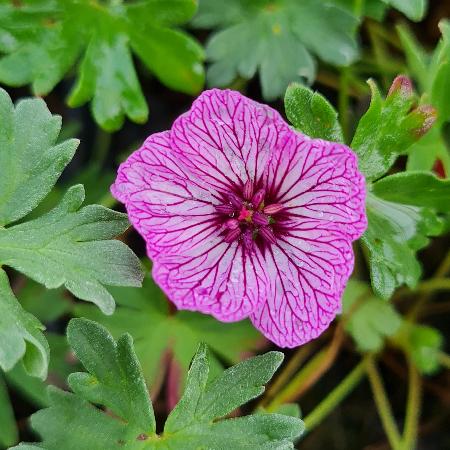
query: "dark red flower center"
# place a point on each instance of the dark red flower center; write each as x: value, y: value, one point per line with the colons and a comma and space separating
x: 247, y: 218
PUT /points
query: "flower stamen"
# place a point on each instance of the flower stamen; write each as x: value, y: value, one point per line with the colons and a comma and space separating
x: 258, y: 198
x: 232, y: 235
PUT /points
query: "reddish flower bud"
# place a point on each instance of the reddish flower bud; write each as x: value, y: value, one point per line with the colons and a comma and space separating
x: 403, y: 85
x: 428, y: 114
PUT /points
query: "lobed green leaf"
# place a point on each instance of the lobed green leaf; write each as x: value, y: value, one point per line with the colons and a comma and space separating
x: 415, y: 188
x: 45, y: 43
x: 395, y: 233
x: 115, y: 381
x: 20, y: 335
x: 371, y: 320
x: 312, y: 114
x: 144, y: 312
x: 277, y: 40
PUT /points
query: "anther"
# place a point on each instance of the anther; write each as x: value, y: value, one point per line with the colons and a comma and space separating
x: 248, y: 190
x: 232, y: 235
x: 232, y: 224
x: 225, y: 209
x: 258, y: 198
x: 273, y: 208
x: 260, y: 219
x: 267, y: 234
x: 235, y: 200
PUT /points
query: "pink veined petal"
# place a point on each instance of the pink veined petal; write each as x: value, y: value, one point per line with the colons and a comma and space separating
x: 222, y: 280
x: 318, y: 181
x: 164, y: 203
x: 176, y: 216
x: 307, y: 273
x: 187, y: 190
x: 226, y: 139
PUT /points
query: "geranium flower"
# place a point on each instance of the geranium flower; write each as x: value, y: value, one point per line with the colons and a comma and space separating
x: 245, y: 217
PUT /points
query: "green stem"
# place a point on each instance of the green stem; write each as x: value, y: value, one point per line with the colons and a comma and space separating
x: 409, y: 441
x: 343, y: 101
x: 330, y: 402
x: 101, y: 147
x: 382, y: 404
x: 358, y: 7
x: 310, y: 373
x: 433, y: 282
x: 444, y: 359
x: 286, y: 374
x: 426, y: 287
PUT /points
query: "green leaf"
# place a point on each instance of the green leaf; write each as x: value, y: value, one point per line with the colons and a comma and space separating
x: 415, y: 188
x: 423, y: 154
x: 71, y: 247
x: 20, y: 335
x: 370, y: 319
x: 67, y: 246
x: 416, y: 57
x: 46, y: 305
x: 312, y: 114
x: 115, y: 381
x: 389, y: 128
x: 9, y: 434
x: 440, y: 90
x: 276, y: 39
x: 44, y: 42
x: 234, y: 387
x: 157, y: 331
x: 423, y: 344
x: 31, y: 388
x: 394, y: 234
x: 413, y: 9
x: 30, y: 162
x: 375, y: 9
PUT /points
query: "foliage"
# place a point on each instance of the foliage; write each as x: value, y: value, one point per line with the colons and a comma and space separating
x: 368, y: 319
x: 42, y: 40
x: 160, y: 334
x: 66, y: 246
x: 398, y: 226
x: 275, y: 38
x: 115, y: 380
x: 55, y: 252
x: 432, y: 73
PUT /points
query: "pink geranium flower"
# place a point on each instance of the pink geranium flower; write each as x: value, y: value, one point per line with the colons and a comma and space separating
x: 245, y: 217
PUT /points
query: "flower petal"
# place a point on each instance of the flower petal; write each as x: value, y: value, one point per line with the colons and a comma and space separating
x: 221, y: 279
x: 176, y: 216
x: 226, y: 139
x: 307, y: 272
x: 319, y: 182
x: 164, y: 203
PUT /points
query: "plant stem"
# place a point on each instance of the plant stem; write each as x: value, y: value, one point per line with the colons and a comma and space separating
x: 382, y: 404
x: 441, y: 271
x: 343, y: 101
x: 409, y: 441
x: 310, y: 373
x: 444, y: 359
x: 425, y: 287
x: 101, y: 147
x: 358, y: 7
x: 288, y: 370
x: 330, y: 402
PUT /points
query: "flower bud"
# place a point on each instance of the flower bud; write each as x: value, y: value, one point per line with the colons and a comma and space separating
x: 402, y: 85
